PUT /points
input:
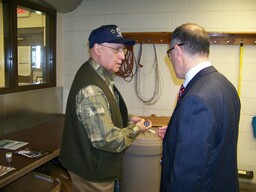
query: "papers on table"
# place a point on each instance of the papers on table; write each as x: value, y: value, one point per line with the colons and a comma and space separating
x: 4, y: 170
x: 12, y: 145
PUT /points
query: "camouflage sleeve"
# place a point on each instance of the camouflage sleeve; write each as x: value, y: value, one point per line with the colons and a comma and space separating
x: 93, y: 111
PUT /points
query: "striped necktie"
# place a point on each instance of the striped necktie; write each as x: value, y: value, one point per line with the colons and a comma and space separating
x: 182, y: 89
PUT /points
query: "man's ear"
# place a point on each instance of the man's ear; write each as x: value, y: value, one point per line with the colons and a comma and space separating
x: 97, y: 48
x: 179, y: 50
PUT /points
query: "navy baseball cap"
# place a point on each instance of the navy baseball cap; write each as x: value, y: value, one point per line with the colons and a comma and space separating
x: 108, y: 34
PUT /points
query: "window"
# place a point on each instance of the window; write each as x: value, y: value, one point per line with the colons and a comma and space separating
x: 27, y: 46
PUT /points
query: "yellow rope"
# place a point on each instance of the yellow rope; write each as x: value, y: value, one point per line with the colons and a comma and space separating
x: 240, y: 67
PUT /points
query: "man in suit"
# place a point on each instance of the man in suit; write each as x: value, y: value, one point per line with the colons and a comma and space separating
x: 200, y: 142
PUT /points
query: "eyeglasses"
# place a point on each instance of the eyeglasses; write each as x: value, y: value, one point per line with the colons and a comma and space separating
x: 117, y: 50
x: 169, y: 51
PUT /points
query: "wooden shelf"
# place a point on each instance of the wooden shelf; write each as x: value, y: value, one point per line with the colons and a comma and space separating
x: 215, y: 37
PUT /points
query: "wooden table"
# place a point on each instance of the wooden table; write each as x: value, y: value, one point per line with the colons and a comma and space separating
x: 42, y: 137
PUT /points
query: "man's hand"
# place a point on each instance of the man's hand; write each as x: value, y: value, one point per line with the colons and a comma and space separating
x: 161, y: 131
x: 144, y: 126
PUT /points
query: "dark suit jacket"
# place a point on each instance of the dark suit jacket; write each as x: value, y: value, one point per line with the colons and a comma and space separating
x: 200, y: 144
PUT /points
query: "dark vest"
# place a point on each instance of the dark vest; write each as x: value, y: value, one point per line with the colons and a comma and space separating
x: 77, y: 153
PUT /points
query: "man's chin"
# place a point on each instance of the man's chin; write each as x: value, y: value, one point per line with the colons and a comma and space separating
x: 116, y: 69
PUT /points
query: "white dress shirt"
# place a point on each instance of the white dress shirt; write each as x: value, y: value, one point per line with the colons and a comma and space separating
x: 192, y: 72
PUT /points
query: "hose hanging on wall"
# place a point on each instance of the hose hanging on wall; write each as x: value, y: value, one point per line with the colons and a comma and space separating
x: 240, y: 67
x: 157, y: 88
x: 126, y: 70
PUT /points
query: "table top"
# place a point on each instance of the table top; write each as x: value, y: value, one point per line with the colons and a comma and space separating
x: 44, y: 137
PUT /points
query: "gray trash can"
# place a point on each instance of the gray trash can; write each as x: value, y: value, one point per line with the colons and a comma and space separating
x: 142, y: 168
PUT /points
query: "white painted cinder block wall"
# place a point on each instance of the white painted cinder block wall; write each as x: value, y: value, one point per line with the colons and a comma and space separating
x: 165, y: 15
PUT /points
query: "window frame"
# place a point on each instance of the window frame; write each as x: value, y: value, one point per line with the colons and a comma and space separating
x: 11, y: 46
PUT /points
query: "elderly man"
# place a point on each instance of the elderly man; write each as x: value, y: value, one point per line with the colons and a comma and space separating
x: 97, y: 126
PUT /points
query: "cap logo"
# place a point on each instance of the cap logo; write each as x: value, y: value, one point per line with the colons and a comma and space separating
x: 119, y: 32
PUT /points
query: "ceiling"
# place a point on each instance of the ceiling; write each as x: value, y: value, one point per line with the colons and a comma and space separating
x: 61, y: 6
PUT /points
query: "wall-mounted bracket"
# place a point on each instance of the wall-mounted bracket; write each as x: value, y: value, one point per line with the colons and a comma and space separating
x: 215, y: 37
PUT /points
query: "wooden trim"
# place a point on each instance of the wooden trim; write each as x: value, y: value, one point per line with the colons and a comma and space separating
x: 149, y: 37
x: 233, y: 38
x: 215, y: 37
